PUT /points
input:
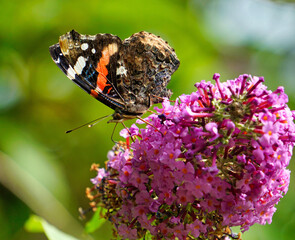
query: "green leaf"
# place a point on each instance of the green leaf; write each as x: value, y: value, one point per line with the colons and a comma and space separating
x: 55, y: 234
x: 96, y: 221
x: 33, y: 224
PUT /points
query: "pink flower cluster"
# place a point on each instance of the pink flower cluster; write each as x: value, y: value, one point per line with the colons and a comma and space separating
x: 215, y: 159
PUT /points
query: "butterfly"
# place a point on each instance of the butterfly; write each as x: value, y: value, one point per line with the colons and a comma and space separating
x: 127, y: 76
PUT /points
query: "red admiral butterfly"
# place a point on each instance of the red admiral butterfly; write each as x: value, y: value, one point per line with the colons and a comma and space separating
x: 128, y: 76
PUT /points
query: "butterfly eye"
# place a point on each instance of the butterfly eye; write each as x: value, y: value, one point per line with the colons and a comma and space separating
x: 117, y: 116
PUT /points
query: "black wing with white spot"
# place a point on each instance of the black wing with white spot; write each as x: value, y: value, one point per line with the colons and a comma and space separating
x: 90, y: 61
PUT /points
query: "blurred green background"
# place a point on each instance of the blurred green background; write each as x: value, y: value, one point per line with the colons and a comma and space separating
x: 45, y: 171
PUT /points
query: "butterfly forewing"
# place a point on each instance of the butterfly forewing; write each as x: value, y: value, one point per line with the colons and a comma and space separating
x: 89, y: 61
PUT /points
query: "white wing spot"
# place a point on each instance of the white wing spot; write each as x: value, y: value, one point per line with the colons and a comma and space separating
x: 84, y: 46
x: 93, y: 50
x: 80, y: 64
x: 121, y: 70
x: 71, y: 73
x: 57, y: 60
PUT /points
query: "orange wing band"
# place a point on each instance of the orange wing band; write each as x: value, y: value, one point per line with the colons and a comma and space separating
x: 103, y: 71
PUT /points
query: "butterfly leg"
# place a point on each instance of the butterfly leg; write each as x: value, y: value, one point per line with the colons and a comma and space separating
x: 155, y: 96
x: 151, y: 111
x: 128, y: 131
x: 113, y: 134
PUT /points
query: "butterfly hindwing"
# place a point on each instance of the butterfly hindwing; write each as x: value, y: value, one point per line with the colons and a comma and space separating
x: 150, y: 62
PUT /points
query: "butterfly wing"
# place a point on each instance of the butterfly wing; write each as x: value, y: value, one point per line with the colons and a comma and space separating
x: 90, y: 62
x: 149, y: 63
x: 127, y: 76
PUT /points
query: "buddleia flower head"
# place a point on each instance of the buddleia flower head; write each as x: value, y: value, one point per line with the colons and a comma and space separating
x: 214, y: 159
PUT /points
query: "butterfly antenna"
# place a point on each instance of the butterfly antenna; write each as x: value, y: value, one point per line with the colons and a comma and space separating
x: 89, y: 124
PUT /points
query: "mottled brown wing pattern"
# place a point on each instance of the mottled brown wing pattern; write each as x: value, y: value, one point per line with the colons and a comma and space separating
x: 150, y: 62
